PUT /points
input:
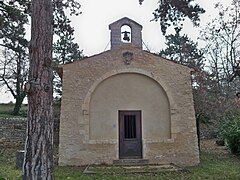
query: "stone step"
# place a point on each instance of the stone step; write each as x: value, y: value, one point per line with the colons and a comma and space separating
x: 131, y: 162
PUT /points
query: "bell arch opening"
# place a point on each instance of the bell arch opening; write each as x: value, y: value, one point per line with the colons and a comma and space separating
x: 126, y: 34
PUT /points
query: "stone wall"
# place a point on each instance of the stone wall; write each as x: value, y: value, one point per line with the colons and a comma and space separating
x: 12, y: 132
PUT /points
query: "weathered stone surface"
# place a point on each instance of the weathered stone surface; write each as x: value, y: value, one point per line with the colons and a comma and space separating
x: 80, y: 82
x: 96, y: 88
x: 12, y: 132
x: 19, y: 159
x: 136, y: 30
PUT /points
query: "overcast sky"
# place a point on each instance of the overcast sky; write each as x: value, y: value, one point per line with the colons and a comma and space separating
x: 93, y: 35
x: 91, y: 27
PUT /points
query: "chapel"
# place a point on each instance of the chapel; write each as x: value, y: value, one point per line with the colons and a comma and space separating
x: 127, y: 104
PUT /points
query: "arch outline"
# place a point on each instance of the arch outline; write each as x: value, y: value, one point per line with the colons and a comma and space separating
x: 174, y: 117
x: 87, y: 99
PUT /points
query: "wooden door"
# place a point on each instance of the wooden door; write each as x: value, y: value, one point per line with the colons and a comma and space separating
x: 130, y: 135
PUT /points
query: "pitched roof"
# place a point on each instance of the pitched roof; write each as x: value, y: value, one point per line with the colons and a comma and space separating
x: 127, y: 20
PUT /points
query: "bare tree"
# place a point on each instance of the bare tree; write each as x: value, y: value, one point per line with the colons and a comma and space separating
x: 38, y: 158
x: 222, y: 37
x: 13, y: 75
x: 13, y: 64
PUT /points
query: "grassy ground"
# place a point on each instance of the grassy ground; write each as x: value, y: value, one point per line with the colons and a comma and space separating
x: 6, y: 110
x: 216, y: 163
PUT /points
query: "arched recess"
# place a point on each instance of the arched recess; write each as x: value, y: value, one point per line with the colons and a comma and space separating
x: 142, y: 74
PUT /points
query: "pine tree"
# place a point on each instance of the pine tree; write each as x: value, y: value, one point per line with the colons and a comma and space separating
x: 38, y: 157
x: 174, y: 12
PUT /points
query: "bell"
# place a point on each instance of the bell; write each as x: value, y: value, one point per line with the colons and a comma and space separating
x: 126, y: 36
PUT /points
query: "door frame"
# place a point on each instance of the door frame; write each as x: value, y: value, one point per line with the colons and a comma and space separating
x: 138, y: 114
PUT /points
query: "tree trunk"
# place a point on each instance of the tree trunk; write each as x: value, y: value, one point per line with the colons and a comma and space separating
x: 18, y: 103
x: 38, y: 158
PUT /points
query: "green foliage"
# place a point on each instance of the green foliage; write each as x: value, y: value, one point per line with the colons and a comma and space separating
x: 13, y: 20
x: 65, y: 50
x: 172, y: 12
x: 230, y: 132
x: 203, y: 118
x: 183, y: 50
x: 7, y: 164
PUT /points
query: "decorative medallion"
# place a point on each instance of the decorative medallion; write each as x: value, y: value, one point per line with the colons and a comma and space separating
x: 128, y: 57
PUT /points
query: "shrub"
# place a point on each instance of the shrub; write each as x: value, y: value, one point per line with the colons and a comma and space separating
x: 230, y: 132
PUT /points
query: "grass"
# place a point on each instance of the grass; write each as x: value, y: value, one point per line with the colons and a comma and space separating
x: 215, y: 164
x: 7, y: 165
x: 6, y: 111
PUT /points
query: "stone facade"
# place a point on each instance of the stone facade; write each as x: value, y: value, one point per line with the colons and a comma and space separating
x: 95, y: 89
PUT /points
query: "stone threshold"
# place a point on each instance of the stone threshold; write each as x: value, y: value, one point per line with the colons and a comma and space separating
x: 131, y: 162
x: 128, y: 169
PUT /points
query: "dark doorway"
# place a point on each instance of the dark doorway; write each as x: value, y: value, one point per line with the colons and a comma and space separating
x: 130, y: 135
